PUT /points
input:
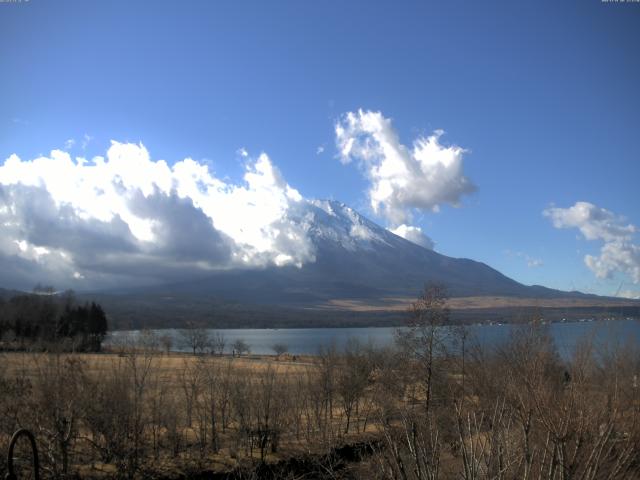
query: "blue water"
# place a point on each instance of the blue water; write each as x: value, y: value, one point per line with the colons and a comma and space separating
x: 310, y: 340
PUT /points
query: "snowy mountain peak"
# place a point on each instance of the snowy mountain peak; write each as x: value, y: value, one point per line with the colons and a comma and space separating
x: 354, y: 258
x: 335, y: 222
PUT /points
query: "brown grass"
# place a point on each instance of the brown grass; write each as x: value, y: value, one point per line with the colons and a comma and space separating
x: 464, y: 303
x: 168, y: 363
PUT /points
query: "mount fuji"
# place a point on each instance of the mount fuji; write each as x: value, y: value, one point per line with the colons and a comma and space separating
x: 363, y: 274
x: 356, y: 258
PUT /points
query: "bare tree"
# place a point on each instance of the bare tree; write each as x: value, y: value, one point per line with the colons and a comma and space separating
x: 116, y: 416
x: 158, y: 408
x: 423, y: 336
x: 213, y: 397
x: 166, y: 340
x: 352, y: 379
x: 57, y: 409
x: 270, y: 395
x: 190, y: 384
x: 240, y: 347
x: 148, y: 341
x: 279, y: 348
x: 324, y: 387
x: 218, y: 343
x: 195, y: 338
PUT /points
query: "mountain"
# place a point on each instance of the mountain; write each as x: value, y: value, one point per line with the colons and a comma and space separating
x: 363, y: 275
x: 356, y: 258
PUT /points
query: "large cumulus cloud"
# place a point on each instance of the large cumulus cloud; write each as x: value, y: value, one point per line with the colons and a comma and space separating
x: 618, y: 252
x: 126, y: 218
x: 402, y: 179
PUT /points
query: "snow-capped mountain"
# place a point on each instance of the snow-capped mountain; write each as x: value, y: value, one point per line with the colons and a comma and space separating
x: 358, y: 266
x: 356, y: 258
x: 336, y: 223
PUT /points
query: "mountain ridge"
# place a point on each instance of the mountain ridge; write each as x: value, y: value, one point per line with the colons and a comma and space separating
x: 356, y: 258
x: 363, y: 275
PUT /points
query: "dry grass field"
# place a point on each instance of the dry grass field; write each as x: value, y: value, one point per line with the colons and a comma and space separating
x: 401, y: 304
x: 166, y: 365
x: 187, y: 412
x: 414, y: 411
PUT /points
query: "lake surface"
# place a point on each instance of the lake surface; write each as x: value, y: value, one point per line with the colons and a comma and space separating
x: 310, y: 340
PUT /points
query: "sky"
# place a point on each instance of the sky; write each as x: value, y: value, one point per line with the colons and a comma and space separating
x: 506, y: 132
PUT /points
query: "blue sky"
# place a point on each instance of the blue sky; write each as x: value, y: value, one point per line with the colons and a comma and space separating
x: 544, y: 96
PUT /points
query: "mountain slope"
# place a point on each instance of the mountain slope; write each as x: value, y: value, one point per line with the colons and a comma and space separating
x: 363, y: 275
x: 356, y: 258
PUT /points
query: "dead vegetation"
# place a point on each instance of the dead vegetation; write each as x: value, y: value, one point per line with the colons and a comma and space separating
x: 417, y: 411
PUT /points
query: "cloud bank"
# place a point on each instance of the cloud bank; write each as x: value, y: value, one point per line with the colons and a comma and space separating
x: 618, y: 252
x: 126, y: 218
x: 402, y: 179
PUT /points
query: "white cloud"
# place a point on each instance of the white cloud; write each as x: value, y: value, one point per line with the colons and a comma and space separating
x: 616, y: 256
x: 128, y: 215
x: 633, y: 295
x: 415, y: 235
x: 125, y: 217
x: 402, y: 179
x: 320, y: 150
x: 360, y: 232
x: 86, y: 139
x: 593, y: 222
x: 618, y: 253
x: 532, y: 262
x: 84, y: 142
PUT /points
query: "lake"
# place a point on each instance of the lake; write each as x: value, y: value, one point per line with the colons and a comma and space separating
x: 309, y: 340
